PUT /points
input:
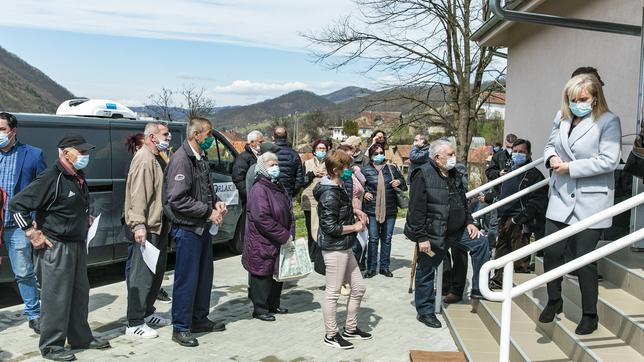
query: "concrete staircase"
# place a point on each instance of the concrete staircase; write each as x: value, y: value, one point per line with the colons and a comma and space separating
x: 620, y: 337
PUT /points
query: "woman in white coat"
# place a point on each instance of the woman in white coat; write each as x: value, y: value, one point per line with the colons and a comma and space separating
x: 583, y: 152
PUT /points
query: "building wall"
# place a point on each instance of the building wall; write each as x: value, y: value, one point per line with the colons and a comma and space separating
x: 541, y: 59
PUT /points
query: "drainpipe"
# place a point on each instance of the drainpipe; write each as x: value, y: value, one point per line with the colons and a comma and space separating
x: 526, y: 17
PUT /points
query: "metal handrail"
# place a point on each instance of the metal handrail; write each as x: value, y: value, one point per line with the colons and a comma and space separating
x: 504, y: 178
x: 510, y: 198
x: 507, y: 263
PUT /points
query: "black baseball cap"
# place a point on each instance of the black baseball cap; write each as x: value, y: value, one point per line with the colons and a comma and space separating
x: 77, y: 141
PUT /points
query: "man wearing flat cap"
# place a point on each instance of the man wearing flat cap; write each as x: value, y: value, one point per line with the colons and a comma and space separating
x: 59, y: 197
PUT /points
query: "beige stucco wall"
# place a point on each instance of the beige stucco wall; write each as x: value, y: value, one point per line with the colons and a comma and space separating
x: 541, y: 59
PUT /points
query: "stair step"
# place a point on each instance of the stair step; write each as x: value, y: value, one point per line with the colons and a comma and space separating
x: 528, y: 343
x: 470, y: 334
x: 602, y: 345
x: 624, y: 268
x: 619, y: 311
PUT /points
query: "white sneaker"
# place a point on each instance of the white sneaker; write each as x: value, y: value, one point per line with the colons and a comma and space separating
x: 156, y: 320
x: 143, y: 331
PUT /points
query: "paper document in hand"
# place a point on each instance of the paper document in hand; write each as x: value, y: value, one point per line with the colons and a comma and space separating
x: 91, y: 233
x: 363, y: 237
x: 150, y: 255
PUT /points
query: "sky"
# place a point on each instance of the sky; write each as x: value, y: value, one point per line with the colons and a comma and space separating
x: 240, y: 51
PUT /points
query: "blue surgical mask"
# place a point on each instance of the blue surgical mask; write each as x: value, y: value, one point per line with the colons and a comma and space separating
x: 580, y: 109
x: 274, y: 172
x: 4, y: 139
x: 378, y: 158
x: 320, y: 154
x: 519, y: 159
x: 163, y: 145
x: 81, y: 162
x: 497, y: 149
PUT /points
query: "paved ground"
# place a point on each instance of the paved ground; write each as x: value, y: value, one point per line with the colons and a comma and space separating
x: 387, y: 312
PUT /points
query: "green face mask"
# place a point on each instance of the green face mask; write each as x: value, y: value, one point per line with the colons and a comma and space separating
x: 346, y: 174
x: 207, y: 143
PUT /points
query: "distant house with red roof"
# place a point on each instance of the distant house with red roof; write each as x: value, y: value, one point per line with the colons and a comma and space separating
x: 493, y: 103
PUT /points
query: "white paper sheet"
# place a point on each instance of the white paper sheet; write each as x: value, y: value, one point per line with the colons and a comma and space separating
x: 91, y: 233
x: 150, y: 255
x: 363, y: 237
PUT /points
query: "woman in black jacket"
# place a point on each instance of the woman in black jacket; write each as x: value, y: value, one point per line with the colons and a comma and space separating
x: 381, y: 204
x: 336, y: 237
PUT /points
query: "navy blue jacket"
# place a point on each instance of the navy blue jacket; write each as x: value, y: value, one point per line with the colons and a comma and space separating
x: 29, y: 164
x: 291, y: 170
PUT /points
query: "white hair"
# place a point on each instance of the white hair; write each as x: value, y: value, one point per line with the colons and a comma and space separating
x: 196, y: 124
x: 153, y: 128
x: 261, y: 167
x: 253, y: 136
x: 437, y: 146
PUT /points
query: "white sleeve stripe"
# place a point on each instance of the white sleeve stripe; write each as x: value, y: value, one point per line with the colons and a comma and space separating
x: 20, y: 220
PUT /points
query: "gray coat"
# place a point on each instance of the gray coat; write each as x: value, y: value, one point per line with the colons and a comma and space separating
x: 593, y: 152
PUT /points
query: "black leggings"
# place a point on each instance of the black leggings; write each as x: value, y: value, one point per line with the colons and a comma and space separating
x: 569, y: 249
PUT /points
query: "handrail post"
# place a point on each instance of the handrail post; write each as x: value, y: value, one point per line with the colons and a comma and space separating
x: 506, y: 312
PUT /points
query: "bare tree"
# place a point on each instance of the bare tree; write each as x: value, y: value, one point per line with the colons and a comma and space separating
x: 197, y: 102
x: 161, y: 104
x: 426, y: 47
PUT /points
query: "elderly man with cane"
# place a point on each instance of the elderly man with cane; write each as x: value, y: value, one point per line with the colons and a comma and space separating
x: 437, y: 220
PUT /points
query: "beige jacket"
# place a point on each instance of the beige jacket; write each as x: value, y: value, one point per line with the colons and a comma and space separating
x: 143, y: 205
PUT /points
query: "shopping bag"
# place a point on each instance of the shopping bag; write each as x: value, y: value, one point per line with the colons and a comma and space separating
x: 294, y: 261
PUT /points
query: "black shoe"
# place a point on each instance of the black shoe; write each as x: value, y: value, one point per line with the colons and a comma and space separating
x: 370, y: 274
x: 163, y: 296
x: 588, y: 324
x: 35, y: 325
x: 338, y: 342
x: 551, y: 310
x: 386, y: 273
x: 208, y: 326
x: 476, y: 294
x: 495, y: 285
x: 429, y: 320
x: 60, y: 355
x: 185, y: 339
x: 362, y: 267
x: 452, y: 298
x: 94, y: 344
x: 264, y: 317
x: 278, y: 310
x: 356, y: 334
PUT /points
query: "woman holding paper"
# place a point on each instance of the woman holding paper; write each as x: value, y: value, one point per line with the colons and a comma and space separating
x: 339, y: 224
x: 269, y: 224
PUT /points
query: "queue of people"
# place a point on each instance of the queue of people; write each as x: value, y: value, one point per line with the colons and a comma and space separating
x: 343, y: 192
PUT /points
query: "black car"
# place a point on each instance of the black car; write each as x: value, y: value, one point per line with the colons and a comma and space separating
x: 106, y: 177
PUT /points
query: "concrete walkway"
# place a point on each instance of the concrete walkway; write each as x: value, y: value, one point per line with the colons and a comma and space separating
x: 386, y: 311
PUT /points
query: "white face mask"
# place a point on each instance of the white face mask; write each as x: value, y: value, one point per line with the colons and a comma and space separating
x: 450, y: 163
x: 4, y: 139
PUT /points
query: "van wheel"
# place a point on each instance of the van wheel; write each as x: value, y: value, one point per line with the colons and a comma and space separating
x: 236, y: 244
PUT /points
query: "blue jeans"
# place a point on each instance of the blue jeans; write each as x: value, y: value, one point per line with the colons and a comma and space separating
x: 19, y: 249
x: 193, y: 273
x: 426, y: 269
x: 380, y: 232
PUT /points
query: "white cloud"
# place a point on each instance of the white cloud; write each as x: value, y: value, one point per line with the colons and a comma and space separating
x: 247, y: 87
x: 263, y: 90
x: 271, y: 24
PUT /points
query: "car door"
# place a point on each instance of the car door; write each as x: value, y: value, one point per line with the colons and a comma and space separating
x: 221, y: 156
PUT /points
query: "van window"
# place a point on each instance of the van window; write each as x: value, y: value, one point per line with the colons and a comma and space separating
x: 221, y: 158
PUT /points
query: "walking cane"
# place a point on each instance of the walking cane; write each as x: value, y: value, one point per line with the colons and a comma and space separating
x: 412, y: 274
